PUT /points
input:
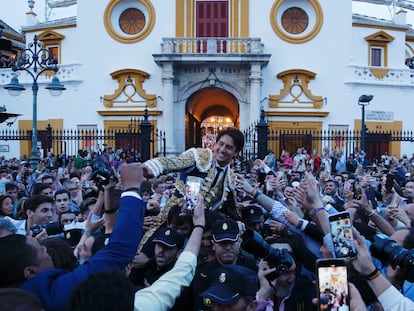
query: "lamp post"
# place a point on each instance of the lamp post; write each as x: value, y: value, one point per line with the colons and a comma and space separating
x: 35, y: 60
x: 363, y: 101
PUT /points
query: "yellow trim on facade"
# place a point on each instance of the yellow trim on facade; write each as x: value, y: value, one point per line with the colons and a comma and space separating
x: 383, y: 127
x: 296, y: 39
x: 179, y: 18
x: 49, y: 28
x: 234, y: 16
x: 244, y: 17
x: 409, y: 47
x: 120, y: 124
x: 52, y: 38
x: 127, y: 113
x: 129, y: 39
x: 26, y: 125
x: 130, y: 80
x: 409, y: 39
x: 295, y: 87
x: 50, y: 35
x: 293, y: 125
x: 309, y: 114
x: 13, y: 37
x: 404, y: 29
x: 379, y: 39
x: 379, y: 73
x: 290, y: 126
x: 189, y: 12
x: 186, y: 18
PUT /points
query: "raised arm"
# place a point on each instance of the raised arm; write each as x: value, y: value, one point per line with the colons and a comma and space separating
x: 389, y: 297
x: 244, y: 185
x: 382, y: 224
x: 308, y: 195
x: 119, y: 252
x: 162, y: 293
x: 194, y: 242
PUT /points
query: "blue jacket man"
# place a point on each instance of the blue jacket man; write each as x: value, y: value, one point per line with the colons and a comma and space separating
x: 34, y: 270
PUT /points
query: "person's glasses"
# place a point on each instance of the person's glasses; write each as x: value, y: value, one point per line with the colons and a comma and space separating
x: 73, y: 189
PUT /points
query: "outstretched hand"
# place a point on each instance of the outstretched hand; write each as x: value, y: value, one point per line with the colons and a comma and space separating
x: 363, y: 262
x: 92, y: 226
x: 243, y: 184
x: 308, y: 194
x: 132, y: 175
x: 198, y: 212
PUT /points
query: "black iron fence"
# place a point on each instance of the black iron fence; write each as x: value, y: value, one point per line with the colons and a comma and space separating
x: 259, y: 139
x: 141, y: 138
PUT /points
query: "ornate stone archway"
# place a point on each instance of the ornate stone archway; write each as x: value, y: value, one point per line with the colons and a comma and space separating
x: 211, y: 101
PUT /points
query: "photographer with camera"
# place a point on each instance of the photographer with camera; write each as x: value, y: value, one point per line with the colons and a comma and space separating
x: 389, y: 297
x: 38, y: 211
x: 286, y: 289
x: 397, y: 259
x: 38, y: 218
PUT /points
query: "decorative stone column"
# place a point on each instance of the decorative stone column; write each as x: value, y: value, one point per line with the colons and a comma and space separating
x: 255, y: 82
x: 168, y: 106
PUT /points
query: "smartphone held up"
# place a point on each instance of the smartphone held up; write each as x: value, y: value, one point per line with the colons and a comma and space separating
x: 341, y: 232
x: 192, y: 189
x: 332, y: 284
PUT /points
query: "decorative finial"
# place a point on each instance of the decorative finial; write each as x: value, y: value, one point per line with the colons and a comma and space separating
x: 31, y: 4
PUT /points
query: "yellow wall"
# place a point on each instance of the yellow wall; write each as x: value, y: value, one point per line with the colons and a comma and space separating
x: 294, y: 126
x: 396, y: 126
x: 26, y: 125
x: 238, y: 18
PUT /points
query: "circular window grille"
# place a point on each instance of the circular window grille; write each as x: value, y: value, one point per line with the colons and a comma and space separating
x: 132, y: 21
x: 295, y: 20
x: 129, y: 21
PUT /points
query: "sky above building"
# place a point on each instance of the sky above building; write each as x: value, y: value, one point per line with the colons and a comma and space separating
x: 13, y: 11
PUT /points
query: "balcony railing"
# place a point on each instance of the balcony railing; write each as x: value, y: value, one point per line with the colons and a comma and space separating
x: 66, y: 73
x: 219, y: 46
x: 390, y: 76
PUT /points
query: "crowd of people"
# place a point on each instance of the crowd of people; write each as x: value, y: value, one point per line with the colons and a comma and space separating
x: 98, y: 236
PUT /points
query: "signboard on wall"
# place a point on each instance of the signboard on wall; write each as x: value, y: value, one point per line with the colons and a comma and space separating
x: 379, y: 116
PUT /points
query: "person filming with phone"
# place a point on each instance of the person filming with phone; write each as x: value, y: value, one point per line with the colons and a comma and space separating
x: 211, y: 169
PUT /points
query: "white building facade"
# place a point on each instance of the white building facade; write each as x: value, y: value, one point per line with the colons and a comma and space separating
x: 304, y: 62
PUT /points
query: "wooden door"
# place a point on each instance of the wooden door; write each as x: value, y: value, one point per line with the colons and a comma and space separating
x: 212, y: 20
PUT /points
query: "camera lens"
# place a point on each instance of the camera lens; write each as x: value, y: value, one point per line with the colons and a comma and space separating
x: 254, y: 243
x: 389, y: 252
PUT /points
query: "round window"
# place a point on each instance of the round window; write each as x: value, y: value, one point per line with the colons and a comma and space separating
x: 132, y: 21
x: 295, y: 20
x: 129, y: 21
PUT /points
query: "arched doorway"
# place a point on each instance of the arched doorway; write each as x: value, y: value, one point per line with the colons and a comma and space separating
x: 205, y: 103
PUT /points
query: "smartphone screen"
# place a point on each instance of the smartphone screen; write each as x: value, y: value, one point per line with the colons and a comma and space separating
x: 332, y: 284
x: 342, y: 238
x: 370, y: 193
x: 192, y: 189
x: 347, y: 187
